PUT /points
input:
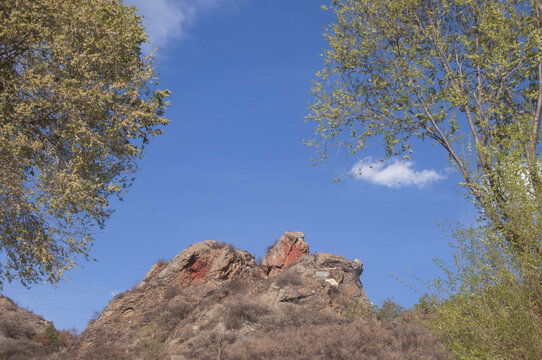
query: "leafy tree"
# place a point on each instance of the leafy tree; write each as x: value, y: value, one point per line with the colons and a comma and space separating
x: 389, y: 311
x: 489, y: 301
x: 78, y: 103
x: 467, y: 76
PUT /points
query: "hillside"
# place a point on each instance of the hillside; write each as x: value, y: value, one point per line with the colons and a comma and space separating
x: 212, y: 301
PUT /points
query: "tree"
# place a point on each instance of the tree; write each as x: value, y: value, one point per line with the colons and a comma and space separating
x: 465, y: 74
x: 484, y: 306
x: 78, y: 103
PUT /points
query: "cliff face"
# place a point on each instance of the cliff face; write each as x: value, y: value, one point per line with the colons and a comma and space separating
x: 211, y: 298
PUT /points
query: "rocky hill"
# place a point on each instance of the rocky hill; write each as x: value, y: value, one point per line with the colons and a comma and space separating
x: 18, y: 327
x: 212, y: 301
x: 212, y: 296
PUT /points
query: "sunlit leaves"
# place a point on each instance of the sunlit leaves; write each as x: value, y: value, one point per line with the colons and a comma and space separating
x: 466, y: 75
x: 77, y: 106
x: 463, y: 74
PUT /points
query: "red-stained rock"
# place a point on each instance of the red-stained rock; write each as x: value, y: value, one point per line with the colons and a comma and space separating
x: 197, y: 269
x: 201, y: 293
x: 290, y: 248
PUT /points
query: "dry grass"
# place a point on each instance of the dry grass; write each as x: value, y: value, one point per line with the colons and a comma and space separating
x: 228, y: 320
x: 288, y: 277
x: 340, y: 340
x: 13, y: 327
x: 241, y: 310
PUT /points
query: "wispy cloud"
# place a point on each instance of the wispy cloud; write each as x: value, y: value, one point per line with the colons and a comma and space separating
x: 168, y: 20
x: 393, y: 173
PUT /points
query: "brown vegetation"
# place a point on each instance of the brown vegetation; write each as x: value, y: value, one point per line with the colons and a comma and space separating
x: 314, y: 308
x: 340, y: 339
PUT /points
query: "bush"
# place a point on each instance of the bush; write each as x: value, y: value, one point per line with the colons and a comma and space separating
x: 357, y: 310
x: 179, y: 310
x: 51, y: 337
x: 389, y: 311
x: 12, y: 327
x: 488, y: 304
x: 346, y: 340
x: 21, y: 349
x: 172, y: 291
x: 234, y: 286
x: 240, y: 310
x: 275, y: 242
x: 222, y: 245
x: 104, y: 352
x: 288, y: 277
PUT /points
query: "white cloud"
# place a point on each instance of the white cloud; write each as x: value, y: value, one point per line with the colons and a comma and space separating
x: 114, y: 293
x: 168, y: 20
x: 393, y: 173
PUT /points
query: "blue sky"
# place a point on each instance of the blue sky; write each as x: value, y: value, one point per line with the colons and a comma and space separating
x: 231, y: 166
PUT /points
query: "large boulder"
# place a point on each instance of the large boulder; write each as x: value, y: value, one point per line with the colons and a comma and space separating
x: 290, y: 248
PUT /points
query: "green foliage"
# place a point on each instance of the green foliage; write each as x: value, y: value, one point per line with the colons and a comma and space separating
x: 464, y: 74
x: 489, y: 303
x: 426, y: 305
x: 467, y: 76
x: 357, y: 310
x: 51, y: 334
x: 78, y: 103
x: 388, y: 312
x: 50, y: 337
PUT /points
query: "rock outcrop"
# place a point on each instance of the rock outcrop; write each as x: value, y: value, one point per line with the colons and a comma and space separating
x: 212, y: 296
x: 290, y: 248
x: 214, y: 302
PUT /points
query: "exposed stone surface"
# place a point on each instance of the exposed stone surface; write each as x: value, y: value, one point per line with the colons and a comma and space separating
x: 290, y: 248
x: 211, y: 291
x: 212, y: 301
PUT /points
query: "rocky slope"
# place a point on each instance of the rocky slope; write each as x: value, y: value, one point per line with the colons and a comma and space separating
x: 18, y: 329
x: 212, y: 296
x: 212, y: 301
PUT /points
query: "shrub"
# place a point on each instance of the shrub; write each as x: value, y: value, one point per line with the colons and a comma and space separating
x: 95, y: 315
x: 389, y: 311
x: 488, y: 301
x: 178, y: 310
x: 14, y: 328
x: 103, y: 352
x: 161, y: 262
x: 172, y: 291
x: 242, y: 309
x: 234, y: 286
x: 21, y: 349
x: 222, y: 245
x: 288, y: 277
x: 357, y: 310
x: 50, y: 337
x: 295, y: 316
x: 346, y: 340
x: 275, y: 242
